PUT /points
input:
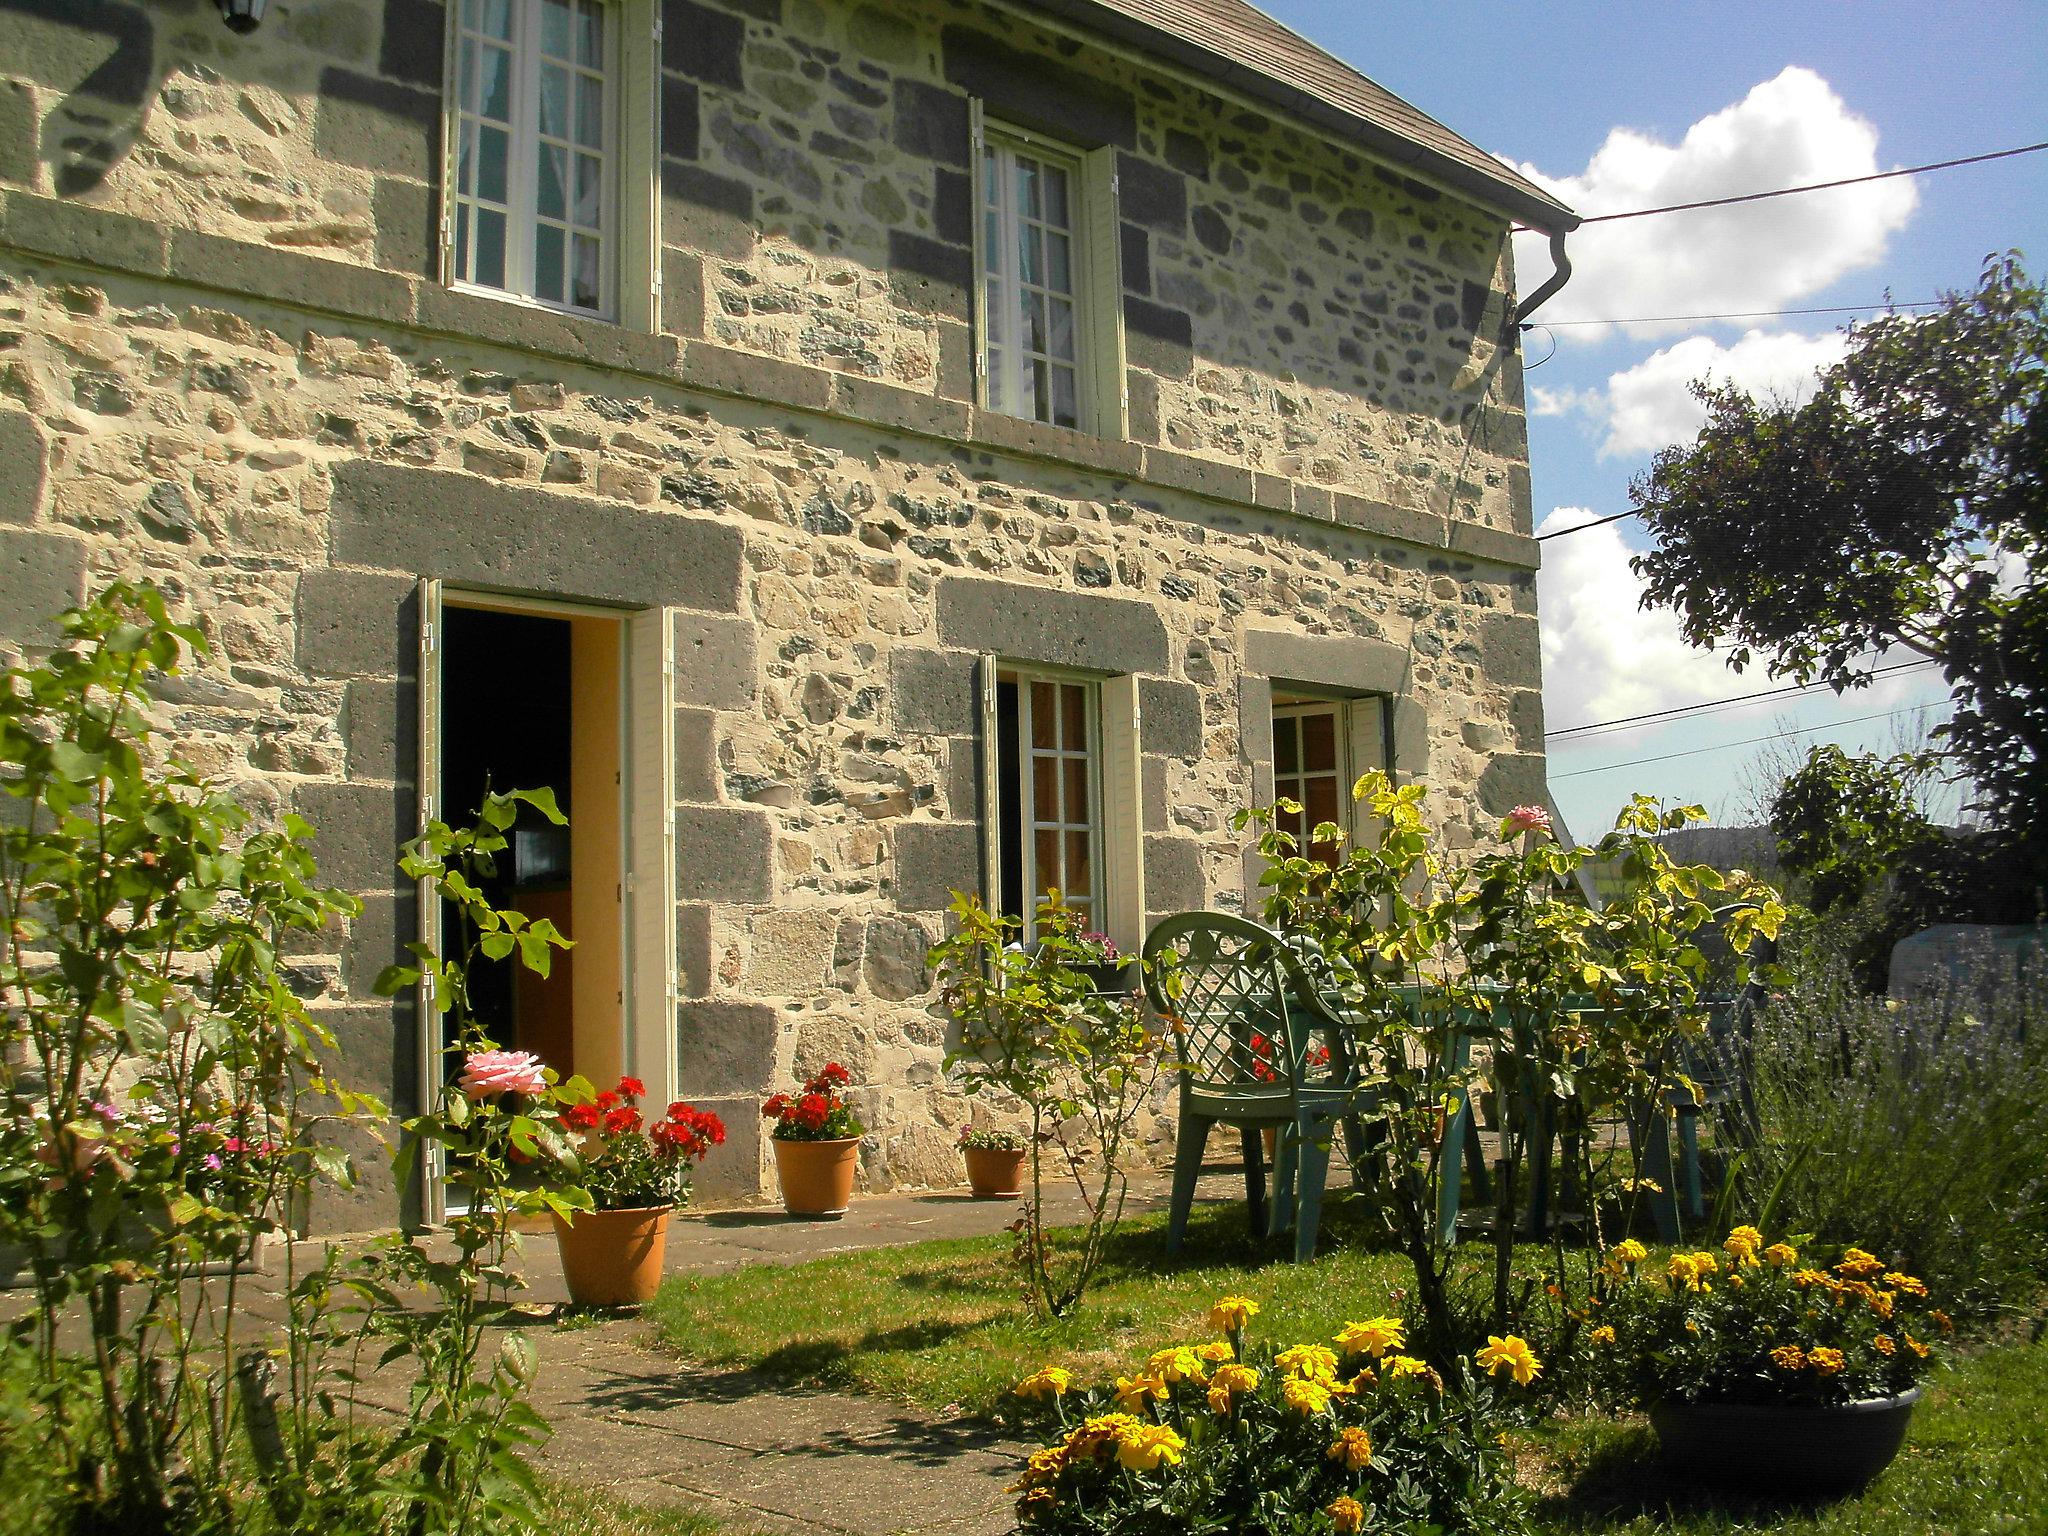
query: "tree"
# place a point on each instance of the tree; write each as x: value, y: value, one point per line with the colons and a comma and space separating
x: 1904, y: 504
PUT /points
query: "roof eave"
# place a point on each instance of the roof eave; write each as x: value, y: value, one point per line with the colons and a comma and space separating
x: 1536, y: 210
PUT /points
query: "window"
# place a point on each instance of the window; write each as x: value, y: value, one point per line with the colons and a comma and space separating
x: 1320, y: 747
x: 1047, y: 308
x: 535, y: 141
x: 1048, y: 793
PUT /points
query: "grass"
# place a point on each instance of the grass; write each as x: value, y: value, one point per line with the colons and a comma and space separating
x: 941, y: 1326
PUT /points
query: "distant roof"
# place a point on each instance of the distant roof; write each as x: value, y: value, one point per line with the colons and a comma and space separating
x: 1243, y: 46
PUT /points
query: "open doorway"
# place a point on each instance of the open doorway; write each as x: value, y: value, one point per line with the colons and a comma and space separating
x: 531, y: 700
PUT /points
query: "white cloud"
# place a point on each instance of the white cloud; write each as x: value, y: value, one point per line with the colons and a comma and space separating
x: 1651, y: 405
x: 1604, y: 656
x: 1789, y: 131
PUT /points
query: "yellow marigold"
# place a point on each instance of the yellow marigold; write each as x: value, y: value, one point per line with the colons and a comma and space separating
x: 1181, y: 1363
x: 1749, y: 1236
x: 1305, y: 1397
x: 1629, y: 1251
x: 1692, y: 1327
x: 1217, y: 1352
x: 1353, y: 1447
x: 1828, y: 1362
x: 1691, y: 1269
x: 1235, y: 1378
x: 1807, y: 1278
x: 1941, y: 1319
x: 1311, y: 1362
x: 1789, y: 1357
x: 1919, y: 1349
x: 1857, y: 1262
x: 1883, y: 1344
x: 1231, y: 1313
x: 1374, y: 1337
x: 1882, y: 1303
x: 1034, y: 1502
x: 1601, y: 1335
x: 1345, y: 1513
x: 1146, y: 1447
x: 1509, y: 1356
x: 1783, y: 1255
x: 1405, y: 1367
x: 1742, y: 1246
x: 1906, y: 1283
x: 1051, y: 1381
x: 1134, y: 1392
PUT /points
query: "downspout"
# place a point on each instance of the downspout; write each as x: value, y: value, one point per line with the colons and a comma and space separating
x: 1562, y: 274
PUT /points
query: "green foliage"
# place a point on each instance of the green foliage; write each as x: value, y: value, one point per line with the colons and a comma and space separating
x: 1033, y: 1025
x: 163, y: 1108
x: 1277, y: 1441
x: 1571, y: 1007
x: 1916, y: 1129
x: 1843, y: 822
x: 1903, y: 504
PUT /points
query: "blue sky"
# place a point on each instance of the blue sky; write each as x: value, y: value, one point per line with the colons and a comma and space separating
x: 1682, y: 101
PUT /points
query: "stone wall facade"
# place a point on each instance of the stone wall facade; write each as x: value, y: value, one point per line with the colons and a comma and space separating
x: 225, y: 364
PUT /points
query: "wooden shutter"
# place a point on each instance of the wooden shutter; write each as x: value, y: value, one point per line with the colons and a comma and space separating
x: 636, y: 173
x: 989, y: 772
x: 451, y: 138
x: 977, y: 147
x: 650, y: 731
x: 1108, y: 401
x: 427, y: 1065
x: 1123, y: 827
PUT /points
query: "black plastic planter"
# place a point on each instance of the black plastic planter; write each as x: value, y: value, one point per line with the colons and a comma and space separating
x: 1783, y: 1450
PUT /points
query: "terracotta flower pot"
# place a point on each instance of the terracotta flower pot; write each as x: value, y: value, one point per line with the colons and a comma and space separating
x: 993, y: 1173
x: 1784, y: 1448
x: 817, y: 1176
x: 613, y: 1258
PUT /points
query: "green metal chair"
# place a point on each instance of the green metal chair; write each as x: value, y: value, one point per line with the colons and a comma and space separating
x: 1245, y: 1027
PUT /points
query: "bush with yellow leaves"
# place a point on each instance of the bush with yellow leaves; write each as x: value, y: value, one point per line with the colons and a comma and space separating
x: 1231, y: 1435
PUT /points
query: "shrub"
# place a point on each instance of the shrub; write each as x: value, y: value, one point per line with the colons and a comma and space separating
x: 1757, y: 1323
x: 1916, y: 1129
x: 1231, y: 1436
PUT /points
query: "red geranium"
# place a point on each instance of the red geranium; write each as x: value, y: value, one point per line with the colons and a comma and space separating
x: 626, y: 1164
x: 816, y: 1112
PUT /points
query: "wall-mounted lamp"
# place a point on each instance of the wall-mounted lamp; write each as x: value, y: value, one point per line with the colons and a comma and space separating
x: 241, y: 15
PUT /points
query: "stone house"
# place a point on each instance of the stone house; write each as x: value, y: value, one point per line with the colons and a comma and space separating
x: 852, y: 449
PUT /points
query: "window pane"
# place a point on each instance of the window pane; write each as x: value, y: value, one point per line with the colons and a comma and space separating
x: 587, y: 272
x: 991, y: 243
x: 493, y: 149
x: 1075, y: 702
x: 462, y: 216
x: 1285, y: 758
x: 998, y: 381
x: 1029, y: 266
x: 493, y: 18
x: 1080, y: 874
x: 590, y: 111
x: 490, y: 248
x: 547, y: 262
x: 1027, y: 187
x: 1045, y: 789
x: 1320, y: 799
x: 554, y: 29
x: 1066, y: 404
x: 1059, y: 339
x: 1041, y: 392
x: 554, y: 101
x: 1034, y: 321
x: 1319, y: 742
x: 1046, y: 849
x: 590, y: 34
x: 465, y: 160
x: 551, y: 200
x: 465, y: 87
x: 494, y: 98
x: 1057, y: 276
x: 1077, y: 790
x: 1055, y: 196
x: 1044, y: 715
x: 589, y: 191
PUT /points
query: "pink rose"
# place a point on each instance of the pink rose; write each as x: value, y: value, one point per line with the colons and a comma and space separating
x: 487, y: 1072
x: 1525, y: 818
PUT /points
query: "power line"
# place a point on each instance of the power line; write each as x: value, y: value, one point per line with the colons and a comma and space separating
x: 1748, y: 314
x: 1614, y: 517
x: 1723, y: 746
x: 1711, y: 705
x: 1818, y: 186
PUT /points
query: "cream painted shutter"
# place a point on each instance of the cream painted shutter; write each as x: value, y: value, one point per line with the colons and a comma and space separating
x: 977, y: 152
x: 427, y: 1054
x: 451, y: 135
x: 650, y: 906
x: 989, y: 770
x: 638, y: 257
x: 1366, y: 728
x: 1123, y: 829
x: 1103, y: 299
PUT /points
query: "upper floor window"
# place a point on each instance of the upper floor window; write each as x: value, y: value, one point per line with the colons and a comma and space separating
x: 1049, y: 297
x: 535, y: 127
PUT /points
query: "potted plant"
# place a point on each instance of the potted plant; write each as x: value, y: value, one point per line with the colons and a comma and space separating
x: 1096, y: 956
x: 995, y: 1162
x: 817, y: 1137
x: 1759, y: 1368
x: 636, y: 1175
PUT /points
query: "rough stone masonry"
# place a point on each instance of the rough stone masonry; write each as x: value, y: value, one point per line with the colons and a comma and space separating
x: 228, y: 365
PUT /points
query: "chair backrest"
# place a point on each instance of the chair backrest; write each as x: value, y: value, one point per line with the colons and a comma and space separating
x: 1222, y: 985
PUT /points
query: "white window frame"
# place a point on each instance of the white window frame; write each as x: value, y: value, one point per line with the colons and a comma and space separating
x: 1360, y: 722
x: 629, y: 275
x: 1095, y: 270
x: 1022, y: 775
